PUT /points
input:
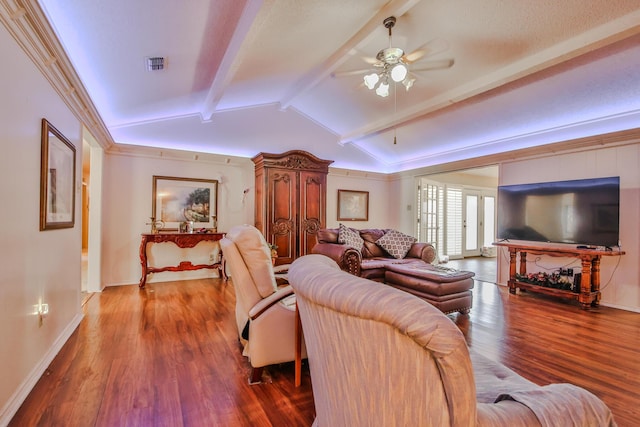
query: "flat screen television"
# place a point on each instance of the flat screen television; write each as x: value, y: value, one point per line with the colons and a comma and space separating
x: 582, y: 212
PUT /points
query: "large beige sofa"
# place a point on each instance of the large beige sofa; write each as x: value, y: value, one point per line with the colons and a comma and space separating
x: 382, y: 357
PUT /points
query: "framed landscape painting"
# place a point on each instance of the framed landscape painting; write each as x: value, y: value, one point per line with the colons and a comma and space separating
x: 176, y: 200
x: 353, y: 205
x: 57, y: 179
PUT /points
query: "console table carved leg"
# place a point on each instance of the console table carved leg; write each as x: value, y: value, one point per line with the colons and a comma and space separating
x: 595, y: 280
x: 586, y: 296
x: 512, y: 270
x: 143, y: 262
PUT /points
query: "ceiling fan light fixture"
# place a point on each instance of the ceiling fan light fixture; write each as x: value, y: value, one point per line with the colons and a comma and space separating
x: 383, y: 89
x: 399, y: 72
x: 408, y: 83
x: 370, y: 80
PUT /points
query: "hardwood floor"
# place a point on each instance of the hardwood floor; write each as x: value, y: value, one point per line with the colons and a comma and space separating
x: 169, y: 356
x: 486, y: 269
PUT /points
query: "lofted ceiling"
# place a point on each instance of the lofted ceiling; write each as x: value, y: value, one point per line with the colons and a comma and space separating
x: 245, y: 76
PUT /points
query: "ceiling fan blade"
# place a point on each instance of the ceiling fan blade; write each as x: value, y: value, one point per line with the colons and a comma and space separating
x: 369, y: 59
x: 429, y: 48
x: 350, y: 73
x: 434, y: 65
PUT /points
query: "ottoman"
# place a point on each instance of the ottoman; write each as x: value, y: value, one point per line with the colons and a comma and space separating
x: 447, y: 289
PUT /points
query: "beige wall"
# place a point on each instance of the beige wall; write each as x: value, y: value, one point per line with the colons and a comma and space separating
x: 620, y: 276
x: 127, y: 197
x: 37, y: 266
x: 378, y: 188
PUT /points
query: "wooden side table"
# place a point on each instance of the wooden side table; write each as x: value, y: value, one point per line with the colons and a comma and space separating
x: 589, y: 291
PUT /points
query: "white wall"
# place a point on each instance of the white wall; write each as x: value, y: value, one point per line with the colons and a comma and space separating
x: 380, y: 210
x: 37, y: 266
x: 402, y: 203
x: 620, y: 276
x: 127, y: 207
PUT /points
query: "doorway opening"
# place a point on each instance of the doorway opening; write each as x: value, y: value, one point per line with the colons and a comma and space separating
x: 92, y: 161
x: 457, y: 213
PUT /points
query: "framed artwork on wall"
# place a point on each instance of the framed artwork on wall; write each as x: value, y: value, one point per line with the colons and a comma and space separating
x: 353, y: 205
x: 57, y: 179
x: 178, y: 200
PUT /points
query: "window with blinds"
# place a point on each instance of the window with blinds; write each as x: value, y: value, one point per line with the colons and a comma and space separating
x: 453, y: 224
x: 429, y: 213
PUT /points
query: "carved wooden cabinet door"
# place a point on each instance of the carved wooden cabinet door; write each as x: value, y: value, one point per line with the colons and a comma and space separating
x: 281, y: 213
x: 312, y: 209
x: 291, y: 198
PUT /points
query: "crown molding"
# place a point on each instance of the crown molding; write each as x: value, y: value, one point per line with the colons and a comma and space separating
x: 156, y: 153
x: 28, y: 25
x: 608, y: 140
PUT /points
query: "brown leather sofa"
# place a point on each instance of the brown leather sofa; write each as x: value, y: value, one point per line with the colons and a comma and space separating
x: 370, y: 262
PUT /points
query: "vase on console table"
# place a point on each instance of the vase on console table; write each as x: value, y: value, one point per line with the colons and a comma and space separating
x: 156, y: 226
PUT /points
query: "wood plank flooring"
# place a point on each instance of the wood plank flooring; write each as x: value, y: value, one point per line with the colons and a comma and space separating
x: 169, y: 356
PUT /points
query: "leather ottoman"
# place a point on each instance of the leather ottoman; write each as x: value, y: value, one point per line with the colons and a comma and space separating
x: 447, y: 289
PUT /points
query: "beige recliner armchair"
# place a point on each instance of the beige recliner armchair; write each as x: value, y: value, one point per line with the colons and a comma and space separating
x: 379, y: 356
x: 265, y: 314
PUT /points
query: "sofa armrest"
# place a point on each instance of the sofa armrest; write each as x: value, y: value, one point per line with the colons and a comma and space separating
x: 424, y: 251
x: 505, y: 413
x: 347, y: 258
x: 264, y: 304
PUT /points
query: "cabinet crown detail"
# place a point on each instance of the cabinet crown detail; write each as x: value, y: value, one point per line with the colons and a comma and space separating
x: 294, y: 159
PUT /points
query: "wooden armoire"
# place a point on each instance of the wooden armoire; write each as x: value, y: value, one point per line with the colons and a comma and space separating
x: 291, y: 196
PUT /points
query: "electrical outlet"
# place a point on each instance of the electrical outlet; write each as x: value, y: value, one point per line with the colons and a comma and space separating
x: 211, y: 258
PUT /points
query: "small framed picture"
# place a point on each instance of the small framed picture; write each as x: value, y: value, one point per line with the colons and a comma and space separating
x: 178, y: 200
x: 353, y: 205
x: 57, y: 179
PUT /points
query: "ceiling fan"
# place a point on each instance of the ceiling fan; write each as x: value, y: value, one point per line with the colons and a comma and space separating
x: 392, y: 64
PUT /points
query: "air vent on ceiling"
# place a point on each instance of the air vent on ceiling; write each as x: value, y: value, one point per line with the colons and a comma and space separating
x: 155, y: 63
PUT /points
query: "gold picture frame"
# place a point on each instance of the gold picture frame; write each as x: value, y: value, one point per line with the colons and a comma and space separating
x: 57, y: 179
x: 353, y: 205
x: 176, y: 200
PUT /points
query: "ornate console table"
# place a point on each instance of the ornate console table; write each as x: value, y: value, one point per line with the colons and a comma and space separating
x: 589, y: 292
x: 182, y: 240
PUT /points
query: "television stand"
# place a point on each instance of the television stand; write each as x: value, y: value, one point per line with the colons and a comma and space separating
x: 589, y: 294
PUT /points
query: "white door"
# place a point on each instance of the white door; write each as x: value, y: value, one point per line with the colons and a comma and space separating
x: 479, y: 222
x: 454, y: 222
x: 457, y: 220
x: 472, y: 223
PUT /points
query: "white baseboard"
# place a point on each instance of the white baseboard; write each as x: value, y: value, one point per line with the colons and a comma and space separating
x: 14, y: 402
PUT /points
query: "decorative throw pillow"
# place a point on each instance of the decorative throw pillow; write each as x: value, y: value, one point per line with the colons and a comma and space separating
x: 397, y: 244
x: 350, y: 237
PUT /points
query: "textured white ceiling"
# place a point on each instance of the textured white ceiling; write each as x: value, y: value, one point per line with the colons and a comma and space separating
x: 245, y: 76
